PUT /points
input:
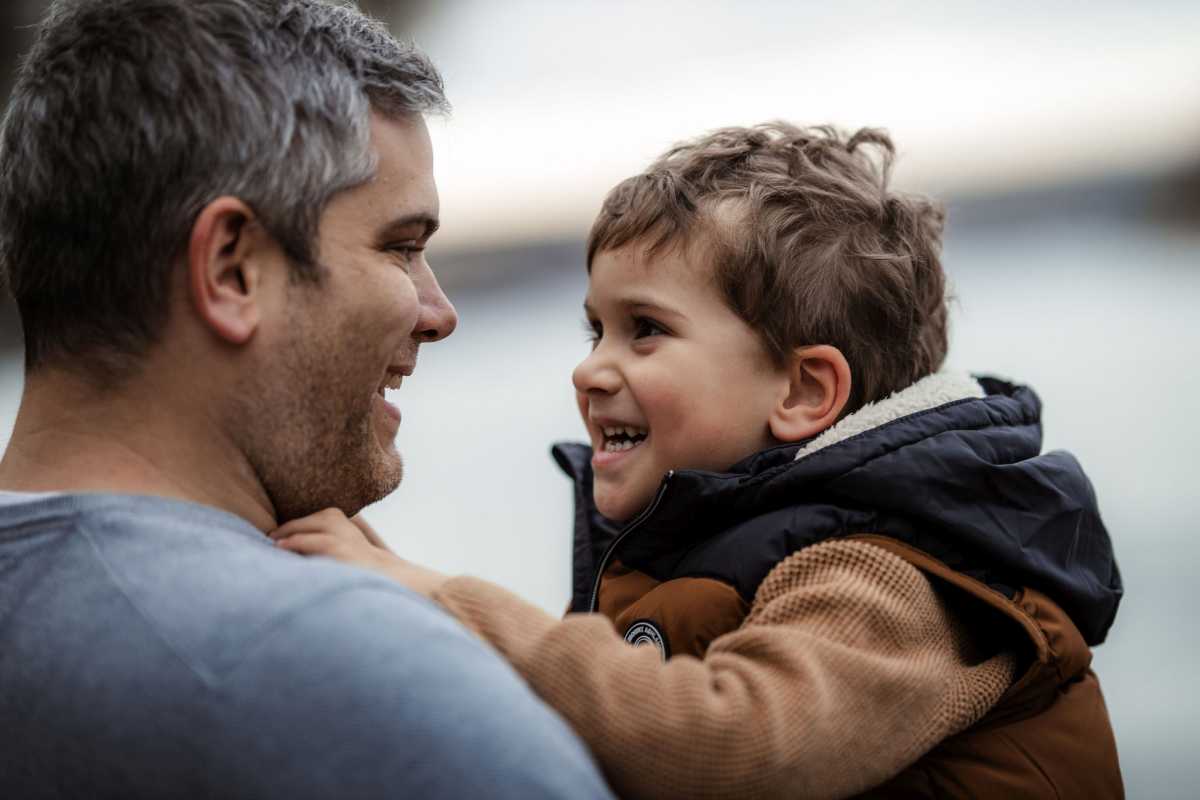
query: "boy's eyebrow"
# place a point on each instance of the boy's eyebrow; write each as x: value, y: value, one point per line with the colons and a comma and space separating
x: 641, y: 302
x: 646, y: 305
x: 636, y: 303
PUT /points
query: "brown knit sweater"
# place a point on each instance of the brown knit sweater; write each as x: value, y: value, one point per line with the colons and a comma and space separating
x: 848, y: 668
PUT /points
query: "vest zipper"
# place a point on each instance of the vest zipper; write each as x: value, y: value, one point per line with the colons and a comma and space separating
x: 637, y: 522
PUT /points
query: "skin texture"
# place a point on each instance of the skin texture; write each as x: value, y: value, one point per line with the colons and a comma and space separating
x: 670, y: 357
x: 277, y: 413
x: 319, y: 435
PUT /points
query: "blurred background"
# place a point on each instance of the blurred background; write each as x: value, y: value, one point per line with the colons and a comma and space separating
x: 1063, y: 137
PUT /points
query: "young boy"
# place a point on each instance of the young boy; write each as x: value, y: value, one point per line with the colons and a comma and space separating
x: 852, y: 572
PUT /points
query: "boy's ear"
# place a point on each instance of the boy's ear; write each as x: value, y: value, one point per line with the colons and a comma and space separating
x: 817, y: 392
x: 223, y: 278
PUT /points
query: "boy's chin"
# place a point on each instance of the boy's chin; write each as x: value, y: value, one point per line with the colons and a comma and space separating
x: 616, y: 507
x: 621, y: 510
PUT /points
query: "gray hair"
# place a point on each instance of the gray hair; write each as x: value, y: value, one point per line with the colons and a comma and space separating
x: 129, y: 116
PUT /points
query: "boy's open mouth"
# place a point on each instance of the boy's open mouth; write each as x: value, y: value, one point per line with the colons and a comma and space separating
x: 622, y: 438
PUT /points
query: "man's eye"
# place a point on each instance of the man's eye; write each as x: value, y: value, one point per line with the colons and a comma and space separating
x: 406, y: 251
x: 644, y: 326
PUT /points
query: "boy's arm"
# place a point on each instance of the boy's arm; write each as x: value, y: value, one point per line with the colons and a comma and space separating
x: 848, y: 668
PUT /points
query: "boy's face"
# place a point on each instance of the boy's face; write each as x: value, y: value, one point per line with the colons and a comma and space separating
x: 674, y: 366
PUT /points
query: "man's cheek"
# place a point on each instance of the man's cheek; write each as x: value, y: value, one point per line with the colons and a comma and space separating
x: 406, y: 304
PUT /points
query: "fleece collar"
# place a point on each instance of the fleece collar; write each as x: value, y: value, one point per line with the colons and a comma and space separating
x: 928, y: 393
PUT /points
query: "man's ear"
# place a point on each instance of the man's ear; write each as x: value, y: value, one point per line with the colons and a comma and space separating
x: 817, y: 392
x: 224, y: 281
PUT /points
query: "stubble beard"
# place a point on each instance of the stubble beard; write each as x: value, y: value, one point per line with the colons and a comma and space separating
x: 308, y: 427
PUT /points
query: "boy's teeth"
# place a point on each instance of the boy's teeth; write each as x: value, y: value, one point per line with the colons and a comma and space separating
x: 623, y: 430
x: 620, y: 438
x: 619, y: 447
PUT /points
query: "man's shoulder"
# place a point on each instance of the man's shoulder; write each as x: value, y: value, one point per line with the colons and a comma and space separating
x: 203, y: 637
x: 221, y: 591
x: 210, y: 587
x: 368, y: 682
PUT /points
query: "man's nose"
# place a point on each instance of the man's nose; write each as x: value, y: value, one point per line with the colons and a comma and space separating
x: 596, y: 374
x: 437, y: 319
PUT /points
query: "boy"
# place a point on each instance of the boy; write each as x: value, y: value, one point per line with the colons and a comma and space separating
x: 851, y: 572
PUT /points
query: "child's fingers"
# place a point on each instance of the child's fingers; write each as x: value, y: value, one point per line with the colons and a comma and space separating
x: 296, y: 527
x: 311, y: 544
x: 372, y: 536
x: 290, y: 529
x: 330, y: 520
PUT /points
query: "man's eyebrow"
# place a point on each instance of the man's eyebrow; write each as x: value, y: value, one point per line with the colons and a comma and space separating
x: 430, y: 222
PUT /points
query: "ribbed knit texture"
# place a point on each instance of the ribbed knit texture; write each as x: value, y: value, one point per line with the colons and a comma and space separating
x: 848, y: 668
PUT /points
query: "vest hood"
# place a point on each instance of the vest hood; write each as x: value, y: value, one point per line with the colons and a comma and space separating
x: 963, y: 479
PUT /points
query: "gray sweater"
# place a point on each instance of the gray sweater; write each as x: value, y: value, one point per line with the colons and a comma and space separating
x: 153, y: 648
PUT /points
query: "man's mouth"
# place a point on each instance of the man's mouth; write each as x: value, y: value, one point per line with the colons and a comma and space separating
x: 395, y: 375
x: 622, y: 437
x: 393, y: 381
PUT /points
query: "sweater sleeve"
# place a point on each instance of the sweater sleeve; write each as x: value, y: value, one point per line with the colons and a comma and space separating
x: 847, y: 669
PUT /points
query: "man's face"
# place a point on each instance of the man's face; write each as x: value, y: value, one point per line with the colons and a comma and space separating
x: 322, y: 432
x: 675, y: 380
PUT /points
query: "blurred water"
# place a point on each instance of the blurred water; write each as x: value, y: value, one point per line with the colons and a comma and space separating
x: 1097, y: 315
x: 978, y: 95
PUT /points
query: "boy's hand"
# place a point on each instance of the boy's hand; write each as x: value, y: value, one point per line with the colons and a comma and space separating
x: 352, y: 541
x: 369, y: 532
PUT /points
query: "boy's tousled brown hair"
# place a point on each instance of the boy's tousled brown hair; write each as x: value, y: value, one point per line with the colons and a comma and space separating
x: 805, y: 240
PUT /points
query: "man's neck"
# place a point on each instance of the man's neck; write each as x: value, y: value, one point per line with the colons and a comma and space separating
x: 69, y: 437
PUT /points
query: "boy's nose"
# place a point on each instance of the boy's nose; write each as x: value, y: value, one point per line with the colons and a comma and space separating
x: 596, y: 373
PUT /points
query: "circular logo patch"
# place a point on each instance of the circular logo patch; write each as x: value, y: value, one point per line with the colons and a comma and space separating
x: 644, y: 631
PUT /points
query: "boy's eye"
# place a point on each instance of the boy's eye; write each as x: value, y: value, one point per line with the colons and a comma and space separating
x: 594, y: 331
x: 644, y: 326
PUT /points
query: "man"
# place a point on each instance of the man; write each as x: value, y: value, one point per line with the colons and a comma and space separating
x: 212, y: 218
